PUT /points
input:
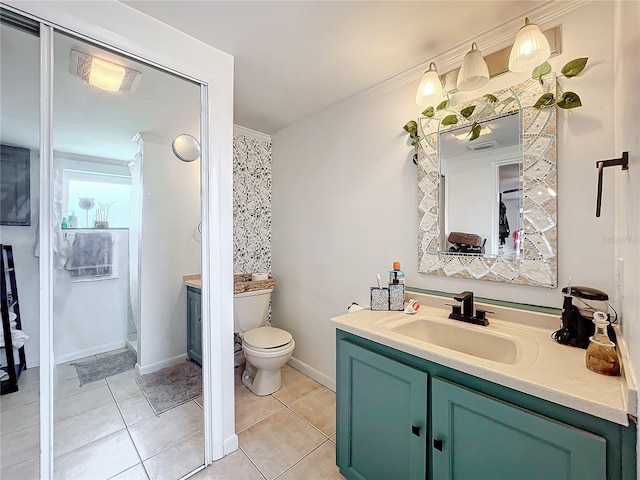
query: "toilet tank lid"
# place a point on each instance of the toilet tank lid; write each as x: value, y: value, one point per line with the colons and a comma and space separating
x: 267, y: 337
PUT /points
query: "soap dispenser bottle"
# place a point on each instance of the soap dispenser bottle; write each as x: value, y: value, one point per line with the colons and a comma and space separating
x: 602, y: 356
x: 396, y: 288
x: 396, y: 275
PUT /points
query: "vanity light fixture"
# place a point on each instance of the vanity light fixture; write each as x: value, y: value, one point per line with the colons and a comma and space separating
x: 430, y: 90
x: 530, y: 48
x: 474, y: 72
x: 104, y: 74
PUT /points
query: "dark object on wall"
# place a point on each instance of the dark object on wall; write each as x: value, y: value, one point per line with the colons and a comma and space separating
x: 15, y: 203
x: 600, y: 164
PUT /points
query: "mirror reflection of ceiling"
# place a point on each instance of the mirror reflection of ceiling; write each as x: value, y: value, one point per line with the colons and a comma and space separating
x: 312, y: 54
x: 163, y: 105
x: 501, y: 133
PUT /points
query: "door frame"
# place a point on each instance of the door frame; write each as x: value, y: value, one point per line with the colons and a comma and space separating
x: 126, y: 30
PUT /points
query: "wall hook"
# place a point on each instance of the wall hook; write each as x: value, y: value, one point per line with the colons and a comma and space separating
x: 600, y: 164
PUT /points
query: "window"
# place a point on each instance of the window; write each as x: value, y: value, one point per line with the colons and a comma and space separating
x: 110, y: 195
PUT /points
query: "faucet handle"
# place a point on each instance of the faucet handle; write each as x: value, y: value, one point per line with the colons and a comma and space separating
x: 482, y: 315
x: 455, y: 308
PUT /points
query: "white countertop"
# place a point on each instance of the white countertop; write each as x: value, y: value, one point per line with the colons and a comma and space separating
x: 546, y: 369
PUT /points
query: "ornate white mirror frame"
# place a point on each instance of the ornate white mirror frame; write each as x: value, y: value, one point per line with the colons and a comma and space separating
x: 537, y: 265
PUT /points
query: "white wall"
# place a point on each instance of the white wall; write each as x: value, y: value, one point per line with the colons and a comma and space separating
x: 627, y: 184
x: 469, y: 199
x: 91, y: 317
x: 170, y: 248
x: 23, y: 241
x: 344, y: 196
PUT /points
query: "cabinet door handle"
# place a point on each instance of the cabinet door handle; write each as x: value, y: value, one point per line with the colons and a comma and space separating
x: 415, y: 429
x: 437, y: 444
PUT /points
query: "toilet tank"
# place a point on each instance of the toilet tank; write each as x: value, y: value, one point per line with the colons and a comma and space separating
x: 250, y: 309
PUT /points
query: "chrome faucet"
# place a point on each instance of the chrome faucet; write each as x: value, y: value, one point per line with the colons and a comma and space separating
x: 465, y: 312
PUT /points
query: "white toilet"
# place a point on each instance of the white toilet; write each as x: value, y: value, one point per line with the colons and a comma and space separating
x: 266, y: 348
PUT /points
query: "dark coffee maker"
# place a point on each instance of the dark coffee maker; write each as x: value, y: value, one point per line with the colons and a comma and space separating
x: 580, y: 303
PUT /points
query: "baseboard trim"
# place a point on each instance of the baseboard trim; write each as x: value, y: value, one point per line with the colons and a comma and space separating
x: 154, y: 367
x: 90, y: 351
x: 311, y: 372
x: 230, y: 444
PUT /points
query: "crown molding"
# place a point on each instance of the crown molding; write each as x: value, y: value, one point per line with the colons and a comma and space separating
x: 489, y: 41
x: 142, y: 137
x: 247, y: 132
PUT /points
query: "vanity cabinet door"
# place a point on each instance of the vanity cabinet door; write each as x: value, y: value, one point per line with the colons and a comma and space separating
x: 479, y: 437
x: 381, y: 417
x: 194, y: 325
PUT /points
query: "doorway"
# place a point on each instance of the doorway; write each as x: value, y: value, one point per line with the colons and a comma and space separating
x: 125, y: 30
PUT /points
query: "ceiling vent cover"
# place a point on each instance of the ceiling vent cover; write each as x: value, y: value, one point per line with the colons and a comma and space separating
x: 81, y: 66
x: 482, y: 146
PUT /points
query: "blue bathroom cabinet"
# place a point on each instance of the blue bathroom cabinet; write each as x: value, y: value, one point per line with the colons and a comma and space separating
x: 403, y: 417
x: 194, y: 325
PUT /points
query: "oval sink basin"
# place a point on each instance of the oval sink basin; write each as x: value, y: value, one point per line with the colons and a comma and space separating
x: 494, y: 346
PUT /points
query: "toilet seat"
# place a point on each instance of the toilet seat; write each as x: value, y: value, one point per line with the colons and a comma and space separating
x: 266, y: 339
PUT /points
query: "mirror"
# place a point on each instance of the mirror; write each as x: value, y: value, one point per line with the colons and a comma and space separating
x: 481, y: 188
x: 487, y: 206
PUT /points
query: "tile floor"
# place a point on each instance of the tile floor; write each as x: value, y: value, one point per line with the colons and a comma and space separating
x: 107, y: 429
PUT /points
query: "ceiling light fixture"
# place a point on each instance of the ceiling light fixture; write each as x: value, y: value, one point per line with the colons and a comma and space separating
x: 430, y: 89
x: 474, y: 72
x: 530, y: 48
x: 104, y: 74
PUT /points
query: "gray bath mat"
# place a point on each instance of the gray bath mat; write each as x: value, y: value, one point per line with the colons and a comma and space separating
x: 172, y: 386
x: 105, y: 367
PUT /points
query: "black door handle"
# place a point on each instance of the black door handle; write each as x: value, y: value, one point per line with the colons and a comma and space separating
x: 437, y: 444
x: 415, y: 430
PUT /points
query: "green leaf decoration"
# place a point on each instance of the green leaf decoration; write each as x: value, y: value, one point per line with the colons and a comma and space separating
x: 415, y: 141
x: 540, y: 71
x: 574, y: 67
x: 491, y: 98
x: 411, y: 127
x: 475, y: 131
x: 443, y: 104
x: 569, y: 100
x: 429, y: 112
x: 466, y: 112
x: 450, y: 120
x: 545, y: 101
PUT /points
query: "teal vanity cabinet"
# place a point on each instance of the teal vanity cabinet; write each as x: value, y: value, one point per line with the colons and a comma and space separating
x: 382, y: 422
x: 467, y: 427
x: 476, y: 436
x: 194, y: 325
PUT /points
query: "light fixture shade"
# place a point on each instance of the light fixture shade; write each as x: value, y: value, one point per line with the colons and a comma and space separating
x: 103, y: 74
x: 474, y: 72
x: 106, y: 75
x: 530, y: 48
x: 430, y: 89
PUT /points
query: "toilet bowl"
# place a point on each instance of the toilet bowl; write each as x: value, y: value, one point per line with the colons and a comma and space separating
x: 266, y: 349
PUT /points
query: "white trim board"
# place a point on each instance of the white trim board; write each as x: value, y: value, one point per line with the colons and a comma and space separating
x: 247, y: 132
x: 154, y: 367
x: 105, y: 348
x: 311, y: 372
